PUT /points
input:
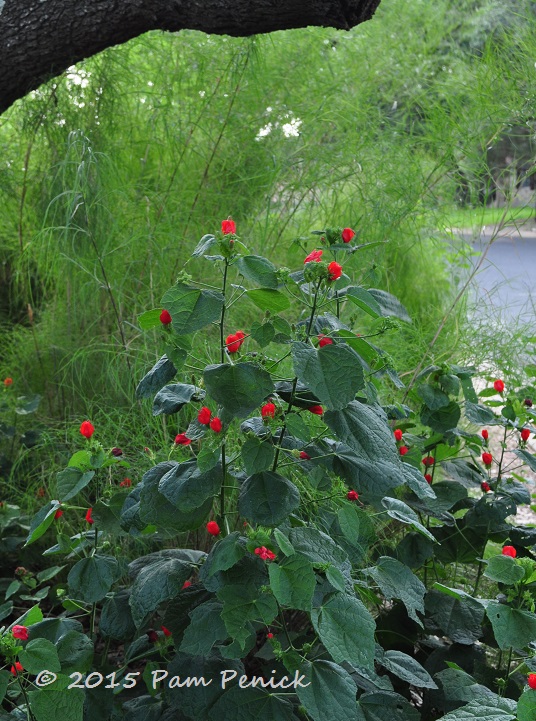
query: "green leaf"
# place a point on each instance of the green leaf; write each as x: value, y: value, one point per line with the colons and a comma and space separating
x: 293, y: 582
x: 242, y: 604
x: 527, y: 457
x: 41, y: 521
x: 75, y: 652
x: 27, y: 404
x: 284, y: 544
x: 397, y: 581
x: 482, y: 711
x: 150, y: 319
x: 459, y: 617
x: 39, y: 654
x: 407, y: 668
x: 267, y: 498
x: 251, y: 704
x: 333, y: 373
x: 5, y: 610
x: 91, y: 578
x: 204, y: 245
x: 160, y: 374
x: 319, y: 548
x: 442, y: 420
x: 481, y: 415
x: 387, y: 706
x: 155, y: 583
x: 331, y: 693
x: 257, y: 455
x: 205, y: 629
x: 504, y: 569
x: 362, y: 429
x: 336, y: 579
x: 432, y: 397
x: 81, y: 460
x: 48, y: 573
x: 192, y: 309
x: 187, y: 487
x: 172, y: 398
x: 116, y: 617
x: 297, y: 427
x: 239, y: 388
x: 225, y: 554
x: 65, y: 705
x: 346, y: 629
x: 417, y: 482
x: 5, y: 678
x: 511, y: 626
x: 71, y: 481
x: 364, y: 300
x: 269, y: 299
x: 403, y: 513
x: 258, y: 270
x: 390, y: 306
x: 526, y: 706
x: 262, y: 333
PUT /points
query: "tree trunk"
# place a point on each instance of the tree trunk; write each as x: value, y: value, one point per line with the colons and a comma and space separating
x: 39, y: 39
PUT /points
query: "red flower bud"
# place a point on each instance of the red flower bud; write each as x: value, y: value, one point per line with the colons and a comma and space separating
x: 186, y: 584
x: 117, y: 452
x: 216, y: 425
x: 240, y: 335
x: 485, y: 486
x: 347, y: 234
x: 166, y: 631
x: 324, y: 340
x: 165, y: 317
x: 532, y: 681
x: 525, y: 434
x: 20, y: 632
x: 428, y: 477
x: 21, y: 571
x: 271, y: 635
x: 352, y: 495
x: 228, y: 226
x: 8, y: 382
x: 152, y: 636
x: 314, y: 257
x: 509, y: 551
x: 484, y: 433
x: 204, y: 416
x: 88, y: 516
x: 398, y: 434
x: 487, y: 459
x: 125, y: 483
x: 265, y: 553
x: 182, y: 440
x: 334, y: 270
x: 304, y: 456
x: 58, y: 514
x: 499, y: 385
x: 317, y: 410
x: 16, y: 668
x: 213, y: 528
x: 233, y: 343
x: 87, y: 429
x: 403, y: 450
x: 268, y: 410
x: 528, y: 403
x: 428, y: 461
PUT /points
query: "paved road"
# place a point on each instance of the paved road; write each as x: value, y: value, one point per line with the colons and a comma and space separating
x: 506, y: 283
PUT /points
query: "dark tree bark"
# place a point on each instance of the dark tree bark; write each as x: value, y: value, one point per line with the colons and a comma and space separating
x: 39, y: 39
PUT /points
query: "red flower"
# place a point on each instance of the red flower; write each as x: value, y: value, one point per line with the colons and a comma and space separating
x: 352, y: 495
x: 228, y: 227
x: 485, y: 435
x: 428, y: 461
x: 334, y: 270
x: 117, y: 452
x: 428, y: 478
x: 499, y: 385
x: 58, y: 514
x: 487, y: 459
x: 87, y: 429
x: 216, y: 425
x: 88, y: 516
x: 182, y: 440
x: 528, y: 403
x: 240, y: 335
x: 314, y: 257
x: 304, y: 456
x: 268, y: 410
x: 8, y: 381
x: 233, y: 343
x: 186, y: 584
x: 265, y: 553
x: 271, y: 635
x: 213, y: 528
x: 152, y: 636
x: 403, y: 450
x: 532, y: 680
x: 525, y: 434
x: 165, y: 317
x: 347, y: 234
x: 20, y: 571
x: 20, y: 632
x: 204, y: 416
x: 398, y: 434
x: 324, y: 340
x: 166, y: 631
x: 485, y: 486
x: 509, y: 551
x: 317, y: 410
x: 17, y: 668
x: 125, y: 483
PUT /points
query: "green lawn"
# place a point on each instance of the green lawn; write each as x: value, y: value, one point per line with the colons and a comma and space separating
x: 471, y: 217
